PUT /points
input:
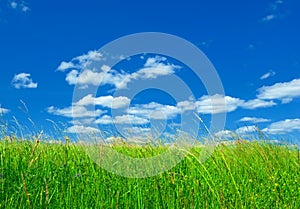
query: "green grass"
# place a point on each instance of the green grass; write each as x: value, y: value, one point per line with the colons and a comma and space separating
x: 246, y: 175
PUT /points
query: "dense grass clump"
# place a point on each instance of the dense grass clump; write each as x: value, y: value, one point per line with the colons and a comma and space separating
x: 240, y: 175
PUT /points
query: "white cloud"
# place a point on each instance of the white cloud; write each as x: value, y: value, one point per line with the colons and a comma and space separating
x: 105, y: 120
x: 267, y: 75
x: 138, y: 135
x: 3, y: 110
x: 76, y: 129
x: 153, y: 72
x: 92, y: 55
x: 65, y: 65
x: 246, y: 129
x: 14, y: 4
x: 269, y: 18
x: 23, y: 80
x: 257, y: 103
x: 74, y: 111
x: 85, y: 77
x: 82, y: 72
x: 275, y: 11
x: 206, y: 105
x: 25, y: 8
x: 83, y: 121
x: 285, y: 91
x: 105, y: 101
x: 286, y: 100
x: 123, y: 119
x: 130, y: 119
x: 187, y: 105
x: 223, y: 133
x: 20, y: 5
x: 254, y: 120
x: 154, y: 68
x: 81, y: 61
x: 217, y: 104
x: 155, y: 110
x: 138, y: 131
x: 284, y: 126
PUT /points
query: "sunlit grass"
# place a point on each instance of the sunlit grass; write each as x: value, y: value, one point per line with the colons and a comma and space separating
x: 239, y: 175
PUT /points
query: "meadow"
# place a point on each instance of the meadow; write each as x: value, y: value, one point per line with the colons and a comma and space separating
x: 257, y: 174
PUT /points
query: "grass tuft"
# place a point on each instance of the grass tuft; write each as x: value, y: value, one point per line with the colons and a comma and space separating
x: 35, y: 174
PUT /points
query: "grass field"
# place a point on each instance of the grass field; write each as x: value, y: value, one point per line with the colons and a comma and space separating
x: 243, y: 175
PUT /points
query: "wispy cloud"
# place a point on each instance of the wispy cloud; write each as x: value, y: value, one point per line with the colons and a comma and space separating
x: 251, y: 46
x: 23, y: 80
x: 283, y: 127
x: 79, y: 129
x: 14, y: 5
x: 285, y: 91
x: 3, y: 110
x: 267, y: 75
x: 274, y: 11
x: 257, y: 103
x: 254, y: 120
x: 122, y: 119
x: 269, y: 18
x: 20, y: 5
x: 75, y: 112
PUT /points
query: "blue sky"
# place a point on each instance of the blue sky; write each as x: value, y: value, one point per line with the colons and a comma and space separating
x: 47, y: 47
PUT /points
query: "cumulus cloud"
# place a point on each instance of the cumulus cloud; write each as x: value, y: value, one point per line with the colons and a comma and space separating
x: 74, y: 111
x: 155, y: 110
x: 217, y: 104
x: 84, y: 78
x: 123, y: 119
x: 79, y: 129
x: 283, y: 127
x: 105, y: 120
x: 154, y: 68
x: 66, y: 65
x: 246, y: 129
x: 187, y: 105
x: 285, y: 91
x: 130, y: 119
x: 267, y: 75
x: 223, y: 134
x: 23, y: 80
x: 83, y: 121
x: 138, y: 131
x: 81, y: 71
x: 105, y: 101
x: 254, y: 120
x: 257, y: 103
x: 81, y: 61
